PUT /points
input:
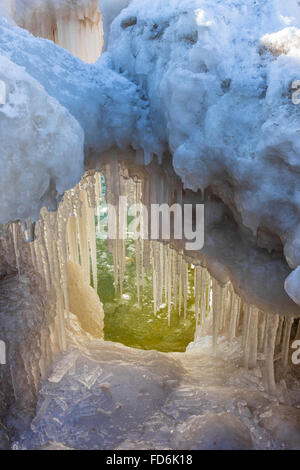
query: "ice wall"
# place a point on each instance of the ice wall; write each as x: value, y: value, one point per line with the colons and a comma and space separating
x: 74, y: 25
x: 27, y: 315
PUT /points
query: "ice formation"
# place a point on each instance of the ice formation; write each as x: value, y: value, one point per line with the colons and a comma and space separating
x: 84, y: 301
x: 68, y: 237
x: 76, y: 26
x: 192, y: 101
x: 41, y: 147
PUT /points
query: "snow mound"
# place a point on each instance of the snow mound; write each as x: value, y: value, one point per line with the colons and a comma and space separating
x: 41, y: 146
x: 222, y: 104
x: 106, y: 104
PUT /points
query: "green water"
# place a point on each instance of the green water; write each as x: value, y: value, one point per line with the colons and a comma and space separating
x: 134, y: 326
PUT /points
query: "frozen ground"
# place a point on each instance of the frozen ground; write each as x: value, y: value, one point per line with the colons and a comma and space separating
x: 103, y: 395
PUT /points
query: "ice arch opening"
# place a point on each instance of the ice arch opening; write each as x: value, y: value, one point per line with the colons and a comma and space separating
x: 67, y: 238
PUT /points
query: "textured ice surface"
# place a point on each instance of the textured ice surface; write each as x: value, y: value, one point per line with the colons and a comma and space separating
x: 117, y: 397
x: 212, y: 431
x: 283, y: 423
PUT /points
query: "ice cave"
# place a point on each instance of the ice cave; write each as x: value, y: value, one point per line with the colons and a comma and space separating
x: 112, y: 335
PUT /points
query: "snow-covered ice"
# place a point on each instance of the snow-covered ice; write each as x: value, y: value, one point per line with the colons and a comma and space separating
x: 41, y: 146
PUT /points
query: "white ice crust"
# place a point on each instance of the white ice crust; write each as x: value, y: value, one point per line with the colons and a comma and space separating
x: 41, y: 145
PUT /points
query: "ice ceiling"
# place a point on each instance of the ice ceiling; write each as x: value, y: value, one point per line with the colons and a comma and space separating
x: 205, y: 84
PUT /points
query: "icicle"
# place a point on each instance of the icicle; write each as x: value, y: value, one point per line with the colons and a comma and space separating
x: 261, y: 331
x: 251, y: 340
x: 161, y: 275
x: 185, y: 287
x: 175, y: 278
x: 60, y: 303
x: 204, y: 296
x: 122, y: 233
x: 169, y: 280
x: 197, y: 287
x: 279, y: 331
x: 93, y: 246
x: 147, y: 255
x: 83, y: 237
x: 223, y: 308
x: 235, y: 307
x: 245, y: 319
x: 138, y: 270
x: 154, y: 279
x: 286, y: 342
x: 246, y: 334
x: 72, y: 239
x: 33, y: 256
x: 216, y: 313
x: 138, y: 245
x: 45, y: 251
x: 180, y: 270
x: 228, y: 304
x: 115, y: 261
x: 166, y: 271
x: 16, y: 248
x: 271, y: 332
x: 62, y: 257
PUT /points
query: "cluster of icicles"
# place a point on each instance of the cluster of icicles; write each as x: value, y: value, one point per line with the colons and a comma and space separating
x: 71, y: 234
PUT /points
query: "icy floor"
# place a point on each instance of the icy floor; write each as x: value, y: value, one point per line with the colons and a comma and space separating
x: 104, y: 395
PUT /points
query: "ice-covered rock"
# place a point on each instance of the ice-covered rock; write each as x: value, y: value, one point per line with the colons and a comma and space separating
x: 212, y: 431
x: 283, y: 424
